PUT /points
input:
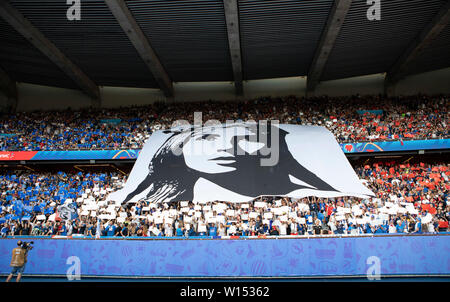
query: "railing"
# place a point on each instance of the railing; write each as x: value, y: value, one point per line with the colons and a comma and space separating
x: 348, y: 148
x: 307, y: 236
x: 246, y: 257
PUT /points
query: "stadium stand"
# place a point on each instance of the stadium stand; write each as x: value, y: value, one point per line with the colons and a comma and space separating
x: 411, y: 198
x: 351, y: 119
x: 327, y: 63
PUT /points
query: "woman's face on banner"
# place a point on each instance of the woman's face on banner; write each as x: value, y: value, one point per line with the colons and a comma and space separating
x: 212, y: 149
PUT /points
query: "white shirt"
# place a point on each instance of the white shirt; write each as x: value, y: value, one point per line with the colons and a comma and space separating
x: 201, y: 227
x: 392, y: 229
x: 168, y: 230
x: 293, y: 228
x: 221, y: 231
x: 231, y: 230
x: 69, y: 229
x: 276, y: 223
x: 332, y: 226
x: 155, y: 231
x: 283, y: 229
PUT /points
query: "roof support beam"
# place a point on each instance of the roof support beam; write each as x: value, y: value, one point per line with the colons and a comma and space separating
x: 35, y: 37
x: 234, y: 42
x: 137, y: 37
x: 400, y: 69
x: 333, y: 27
x: 8, y: 87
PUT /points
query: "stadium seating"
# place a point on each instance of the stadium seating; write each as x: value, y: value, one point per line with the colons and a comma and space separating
x: 351, y: 119
x: 410, y: 198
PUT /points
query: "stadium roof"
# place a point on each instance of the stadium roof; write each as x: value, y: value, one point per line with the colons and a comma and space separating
x: 155, y: 43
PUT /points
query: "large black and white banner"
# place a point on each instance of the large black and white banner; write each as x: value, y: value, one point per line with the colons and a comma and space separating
x: 238, y: 162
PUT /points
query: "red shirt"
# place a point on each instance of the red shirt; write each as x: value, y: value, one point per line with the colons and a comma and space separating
x: 443, y: 224
x: 330, y: 209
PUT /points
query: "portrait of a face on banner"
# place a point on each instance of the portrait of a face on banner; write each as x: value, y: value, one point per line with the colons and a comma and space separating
x: 238, y: 162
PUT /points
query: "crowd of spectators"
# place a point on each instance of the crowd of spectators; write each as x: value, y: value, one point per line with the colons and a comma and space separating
x: 351, y: 119
x: 30, y: 199
x: 410, y: 198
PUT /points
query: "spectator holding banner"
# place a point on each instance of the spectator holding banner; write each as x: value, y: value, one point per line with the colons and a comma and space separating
x: 404, y: 192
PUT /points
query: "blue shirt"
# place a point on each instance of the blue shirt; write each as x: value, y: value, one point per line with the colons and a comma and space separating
x: 110, y: 230
x: 91, y: 229
x: 5, y: 230
x: 138, y: 210
x: 63, y: 230
x: 322, y: 206
x: 191, y: 232
x: 213, y: 231
x: 340, y: 229
x: 321, y: 216
x: 400, y: 228
x: 419, y: 227
x: 300, y: 229
x: 179, y: 232
x: 380, y: 229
